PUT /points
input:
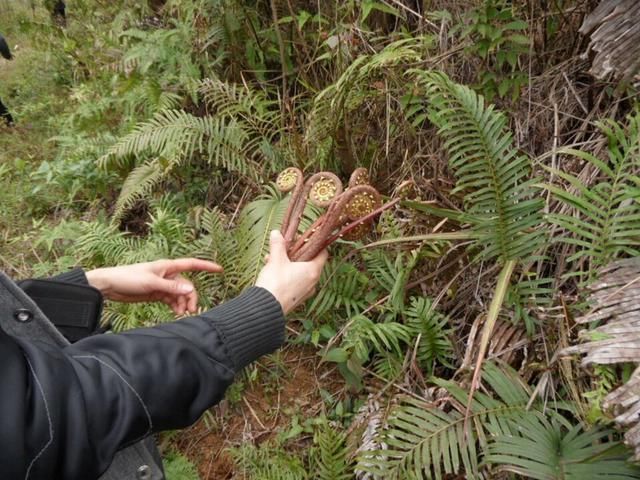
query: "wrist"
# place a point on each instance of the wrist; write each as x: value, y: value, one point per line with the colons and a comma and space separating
x: 99, y: 279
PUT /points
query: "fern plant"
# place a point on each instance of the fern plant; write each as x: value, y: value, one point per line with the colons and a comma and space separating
x: 431, y: 333
x: 502, y: 203
x: 602, y: 220
x: 329, y: 460
x: 354, y: 87
x: 552, y: 449
x: 424, y: 441
x: 342, y: 291
x: 269, y: 462
x: 236, y: 136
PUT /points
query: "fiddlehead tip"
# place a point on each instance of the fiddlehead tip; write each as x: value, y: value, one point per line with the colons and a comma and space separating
x: 324, y: 189
x: 360, y: 176
x: 363, y: 202
x: 288, y: 179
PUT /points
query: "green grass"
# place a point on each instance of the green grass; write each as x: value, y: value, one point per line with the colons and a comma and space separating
x: 35, y: 92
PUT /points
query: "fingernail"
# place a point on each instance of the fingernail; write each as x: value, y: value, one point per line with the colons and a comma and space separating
x: 185, y: 288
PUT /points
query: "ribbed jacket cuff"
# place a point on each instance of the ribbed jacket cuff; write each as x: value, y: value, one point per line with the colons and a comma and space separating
x: 76, y: 276
x: 252, y: 324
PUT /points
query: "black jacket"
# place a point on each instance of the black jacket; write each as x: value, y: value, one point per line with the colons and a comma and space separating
x: 65, y: 412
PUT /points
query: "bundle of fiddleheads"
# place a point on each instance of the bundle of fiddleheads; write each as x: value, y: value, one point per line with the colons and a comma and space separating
x: 349, y: 213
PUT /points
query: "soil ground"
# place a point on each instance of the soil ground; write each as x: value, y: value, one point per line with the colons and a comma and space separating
x: 261, y: 414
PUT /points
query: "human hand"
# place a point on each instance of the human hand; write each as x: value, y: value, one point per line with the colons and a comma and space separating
x: 153, y: 281
x: 291, y: 283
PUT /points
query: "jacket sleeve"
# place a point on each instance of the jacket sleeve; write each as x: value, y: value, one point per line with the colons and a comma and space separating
x: 76, y: 276
x: 94, y: 397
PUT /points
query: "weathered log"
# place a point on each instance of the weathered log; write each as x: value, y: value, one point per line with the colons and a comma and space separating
x: 614, y: 27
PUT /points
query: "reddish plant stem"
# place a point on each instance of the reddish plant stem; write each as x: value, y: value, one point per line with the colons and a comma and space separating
x: 347, y: 228
x: 317, y: 241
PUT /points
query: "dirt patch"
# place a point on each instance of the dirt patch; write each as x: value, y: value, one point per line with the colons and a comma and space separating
x: 287, y: 382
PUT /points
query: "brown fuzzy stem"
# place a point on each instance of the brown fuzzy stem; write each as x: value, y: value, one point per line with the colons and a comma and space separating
x: 334, y: 219
x: 347, y: 228
x: 312, y: 252
x: 294, y: 214
x: 293, y: 201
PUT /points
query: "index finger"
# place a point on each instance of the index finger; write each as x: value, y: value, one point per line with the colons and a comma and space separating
x: 191, y: 265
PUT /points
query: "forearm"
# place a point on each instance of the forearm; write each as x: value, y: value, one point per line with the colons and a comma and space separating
x: 110, y: 390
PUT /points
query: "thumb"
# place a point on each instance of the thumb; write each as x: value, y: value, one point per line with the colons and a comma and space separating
x: 277, y: 247
x: 175, y: 286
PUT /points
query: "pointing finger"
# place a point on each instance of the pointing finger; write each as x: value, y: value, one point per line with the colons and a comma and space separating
x: 191, y: 265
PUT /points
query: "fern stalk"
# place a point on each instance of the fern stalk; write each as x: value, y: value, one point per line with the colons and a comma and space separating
x: 494, y: 310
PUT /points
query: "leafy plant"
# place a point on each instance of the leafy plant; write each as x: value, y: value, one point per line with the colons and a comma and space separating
x: 236, y: 136
x: 178, y: 467
x: 336, y: 102
x: 553, y: 450
x: 330, y: 457
x: 606, y: 221
x: 502, y: 203
x: 431, y: 333
x: 424, y: 441
x: 269, y: 462
x: 498, y: 41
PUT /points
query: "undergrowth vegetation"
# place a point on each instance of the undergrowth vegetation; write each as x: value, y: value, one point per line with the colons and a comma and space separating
x: 155, y: 129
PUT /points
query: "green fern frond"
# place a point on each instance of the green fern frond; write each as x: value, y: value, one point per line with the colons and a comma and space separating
x: 174, y: 137
x: 138, y: 184
x: 330, y: 458
x: 549, y: 450
x: 364, y: 336
x: 388, y: 365
x: 503, y: 206
x: 607, y: 224
x: 256, y: 222
x: 434, y: 332
x: 235, y: 100
x: 268, y: 462
x: 424, y: 441
x: 342, y: 290
x: 350, y: 91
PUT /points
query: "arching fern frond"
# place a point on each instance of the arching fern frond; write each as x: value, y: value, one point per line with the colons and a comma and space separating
x: 235, y: 100
x: 174, y: 137
x: 607, y: 223
x: 551, y: 450
x: 268, y: 462
x: 365, y: 336
x: 252, y: 234
x: 504, y: 431
x: 350, y: 91
x: 342, y: 290
x: 503, y: 206
x: 138, y: 184
x: 433, y: 331
x: 427, y: 442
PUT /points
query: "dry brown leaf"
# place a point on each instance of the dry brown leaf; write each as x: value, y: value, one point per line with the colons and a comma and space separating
x: 615, y: 301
